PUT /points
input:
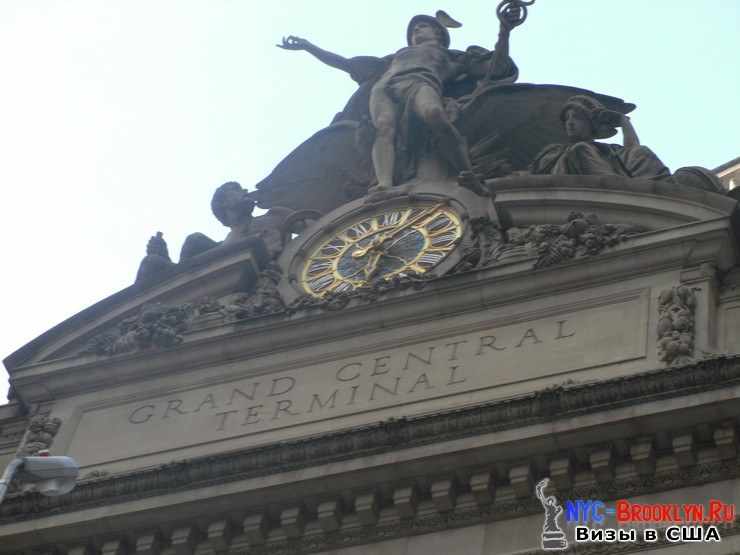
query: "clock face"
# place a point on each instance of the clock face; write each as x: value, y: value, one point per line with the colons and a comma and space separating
x: 389, y: 242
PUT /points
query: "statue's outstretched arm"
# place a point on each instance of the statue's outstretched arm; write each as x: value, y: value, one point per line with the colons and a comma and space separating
x: 500, y: 52
x: 510, y: 13
x: 329, y: 58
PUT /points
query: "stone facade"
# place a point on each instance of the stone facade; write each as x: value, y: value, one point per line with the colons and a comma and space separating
x: 417, y: 419
x: 424, y: 360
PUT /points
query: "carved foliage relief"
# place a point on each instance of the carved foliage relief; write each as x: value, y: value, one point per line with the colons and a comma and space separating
x: 676, y: 325
x: 580, y: 236
x: 40, y: 435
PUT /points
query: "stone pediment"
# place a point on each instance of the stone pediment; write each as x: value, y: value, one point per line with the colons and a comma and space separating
x: 212, y: 274
x: 610, y: 225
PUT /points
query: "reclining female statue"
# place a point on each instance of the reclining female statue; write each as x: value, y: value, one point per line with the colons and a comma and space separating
x: 585, y: 119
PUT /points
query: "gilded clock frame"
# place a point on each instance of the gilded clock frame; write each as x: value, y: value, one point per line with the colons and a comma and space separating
x: 436, y: 224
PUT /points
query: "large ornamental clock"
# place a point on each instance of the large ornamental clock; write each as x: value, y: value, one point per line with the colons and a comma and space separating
x: 359, y: 243
x: 382, y: 244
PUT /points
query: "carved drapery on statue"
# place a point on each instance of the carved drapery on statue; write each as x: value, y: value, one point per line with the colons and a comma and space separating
x: 596, y: 158
x: 585, y: 119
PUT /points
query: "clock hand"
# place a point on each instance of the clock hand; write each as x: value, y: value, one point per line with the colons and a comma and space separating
x: 414, y: 221
x: 372, y: 265
x: 374, y: 242
x: 396, y: 257
x: 401, y: 238
x: 381, y: 238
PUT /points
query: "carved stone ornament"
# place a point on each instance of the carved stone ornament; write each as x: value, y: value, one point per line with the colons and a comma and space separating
x: 40, y: 435
x: 676, y: 326
x: 156, y: 325
x: 551, y: 244
x: 264, y: 300
x: 368, y: 293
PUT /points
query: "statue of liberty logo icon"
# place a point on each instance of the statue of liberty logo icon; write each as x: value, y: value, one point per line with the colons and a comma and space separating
x: 553, y: 537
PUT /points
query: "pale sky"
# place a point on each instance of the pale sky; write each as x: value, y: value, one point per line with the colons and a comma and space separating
x: 119, y: 119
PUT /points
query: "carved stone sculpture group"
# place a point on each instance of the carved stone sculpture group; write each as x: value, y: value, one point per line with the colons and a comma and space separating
x: 424, y: 113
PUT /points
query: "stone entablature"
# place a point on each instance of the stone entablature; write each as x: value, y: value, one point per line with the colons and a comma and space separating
x: 460, y: 339
x: 396, y: 495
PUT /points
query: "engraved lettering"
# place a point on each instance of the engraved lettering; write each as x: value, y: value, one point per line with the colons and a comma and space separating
x: 253, y: 415
x: 209, y: 400
x: 173, y: 405
x: 422, y: 379
x: 529, y: 334
x: 249, y: 396
x: 393, y: 391
x: 343, y: 378
x: 316, y: 400
x: 427, y: 361
x: 490, y: 342
x: 284, y: 406
x: 353, y: 396
x: 453, y: 354
x: 224, y: 415
x: 290, y: 385
x: 561, y: 335
x: 453, y: 375
x: 136, y: 418
x: 380, y: 363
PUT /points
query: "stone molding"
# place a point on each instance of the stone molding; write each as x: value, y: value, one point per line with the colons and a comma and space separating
x: 299, y: 530
x: 440, y: 298
x: 545, y: 405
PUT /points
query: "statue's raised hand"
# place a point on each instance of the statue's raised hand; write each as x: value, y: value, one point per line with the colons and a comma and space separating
x: 512, y: 13
x: 294, y: 43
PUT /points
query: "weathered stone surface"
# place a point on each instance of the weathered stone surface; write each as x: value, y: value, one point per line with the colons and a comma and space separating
x: 561, y: 473
x: 642, y: 453
x: 444, y: 495
x: 148, y: 543
x: 330, y: 515
x: 725, y: 438
x: 185, y: 539
x: 220, y: 534
x: 256, y: 528
x: 366, y: 508
x: 406, y: 500
x: 114, y: 547
x: 483, y: 488
x: 602, y: 464
x: 337, y: 388
x: 684, y: 449
x: 521, y: 480
x: 293, y: 521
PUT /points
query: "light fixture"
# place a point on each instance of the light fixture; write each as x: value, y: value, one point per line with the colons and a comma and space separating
x: 49, y: 476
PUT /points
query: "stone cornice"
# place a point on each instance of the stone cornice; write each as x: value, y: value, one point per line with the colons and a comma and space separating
x: 544, y: 405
